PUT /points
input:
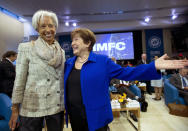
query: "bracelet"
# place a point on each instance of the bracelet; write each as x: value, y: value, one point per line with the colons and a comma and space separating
x: 14, y: 108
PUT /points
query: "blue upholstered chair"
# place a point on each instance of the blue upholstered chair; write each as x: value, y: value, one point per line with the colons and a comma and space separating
x: 171, y: 94
x: 5, y: 111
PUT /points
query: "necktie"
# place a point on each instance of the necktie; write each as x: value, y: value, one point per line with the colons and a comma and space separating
x: 184, y: 83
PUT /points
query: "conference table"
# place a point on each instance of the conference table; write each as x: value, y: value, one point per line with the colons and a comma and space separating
x: 136, y: 110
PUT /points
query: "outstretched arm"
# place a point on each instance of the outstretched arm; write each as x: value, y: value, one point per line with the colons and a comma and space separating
x: 163, y: 63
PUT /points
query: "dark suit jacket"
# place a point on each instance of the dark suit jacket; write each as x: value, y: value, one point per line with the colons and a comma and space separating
x: 175, y: 80
x: 140, y: 62
x: 7, y: 77
x: 147, y: 82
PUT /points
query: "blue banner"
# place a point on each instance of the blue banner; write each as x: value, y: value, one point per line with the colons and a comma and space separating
x: 65, y: 43
x: 154, y: 43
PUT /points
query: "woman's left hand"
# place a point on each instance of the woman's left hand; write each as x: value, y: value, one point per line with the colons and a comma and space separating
x: 161, y: 63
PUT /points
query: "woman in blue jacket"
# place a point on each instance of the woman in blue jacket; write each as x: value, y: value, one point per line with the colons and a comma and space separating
x: 87, y: 77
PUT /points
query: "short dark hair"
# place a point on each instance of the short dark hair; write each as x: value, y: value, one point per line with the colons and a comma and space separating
x: 87, y: 35
x: 9, y: 54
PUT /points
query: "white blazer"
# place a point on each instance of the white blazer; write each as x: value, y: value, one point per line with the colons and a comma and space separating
x: 38, y: 87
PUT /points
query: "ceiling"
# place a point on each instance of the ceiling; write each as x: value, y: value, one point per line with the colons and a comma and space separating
x: 101, y: 11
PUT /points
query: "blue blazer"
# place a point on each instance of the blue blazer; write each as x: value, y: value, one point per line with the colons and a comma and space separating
x: 95, y: 78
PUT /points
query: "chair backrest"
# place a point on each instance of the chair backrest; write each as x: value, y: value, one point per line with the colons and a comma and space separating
x: 170, y: 92
x: 5, y: 106
x: 166, y: 76
x: 167, y: 83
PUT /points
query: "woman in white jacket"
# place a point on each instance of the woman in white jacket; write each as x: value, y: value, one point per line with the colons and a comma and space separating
x: 38, y: 88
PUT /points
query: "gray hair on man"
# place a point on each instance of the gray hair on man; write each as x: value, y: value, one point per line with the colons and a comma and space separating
x: 40, y: 14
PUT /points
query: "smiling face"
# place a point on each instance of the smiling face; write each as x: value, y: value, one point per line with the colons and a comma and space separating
x: 78, y: 46
x: 47, y: 29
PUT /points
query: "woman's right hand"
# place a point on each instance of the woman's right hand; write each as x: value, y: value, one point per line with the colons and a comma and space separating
x: 13, y: 119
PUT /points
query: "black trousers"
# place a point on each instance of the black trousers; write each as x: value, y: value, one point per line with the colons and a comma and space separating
x: 78, y: 120
x: 81, y: 125
x: 54, y: 123
x: 148, y: 86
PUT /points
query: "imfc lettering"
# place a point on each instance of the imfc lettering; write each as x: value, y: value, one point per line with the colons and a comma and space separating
x: 108, y: 46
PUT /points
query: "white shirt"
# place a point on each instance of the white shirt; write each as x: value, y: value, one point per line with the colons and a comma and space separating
x: 186, y: 81
x: 144, y: 61
x: 124, y: 82
x: 9, y: 60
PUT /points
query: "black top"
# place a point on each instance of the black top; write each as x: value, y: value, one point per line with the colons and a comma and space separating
x: 74, y: 95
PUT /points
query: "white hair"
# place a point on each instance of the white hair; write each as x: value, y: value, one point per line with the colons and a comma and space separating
x: 40, y: 14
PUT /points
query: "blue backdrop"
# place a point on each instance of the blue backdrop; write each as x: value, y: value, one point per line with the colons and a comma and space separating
x: 154, y: 43
x: 65, y: 42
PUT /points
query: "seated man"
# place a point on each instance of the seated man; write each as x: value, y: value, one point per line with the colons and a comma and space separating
x: 123, y: 89
x: 180, y: 81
